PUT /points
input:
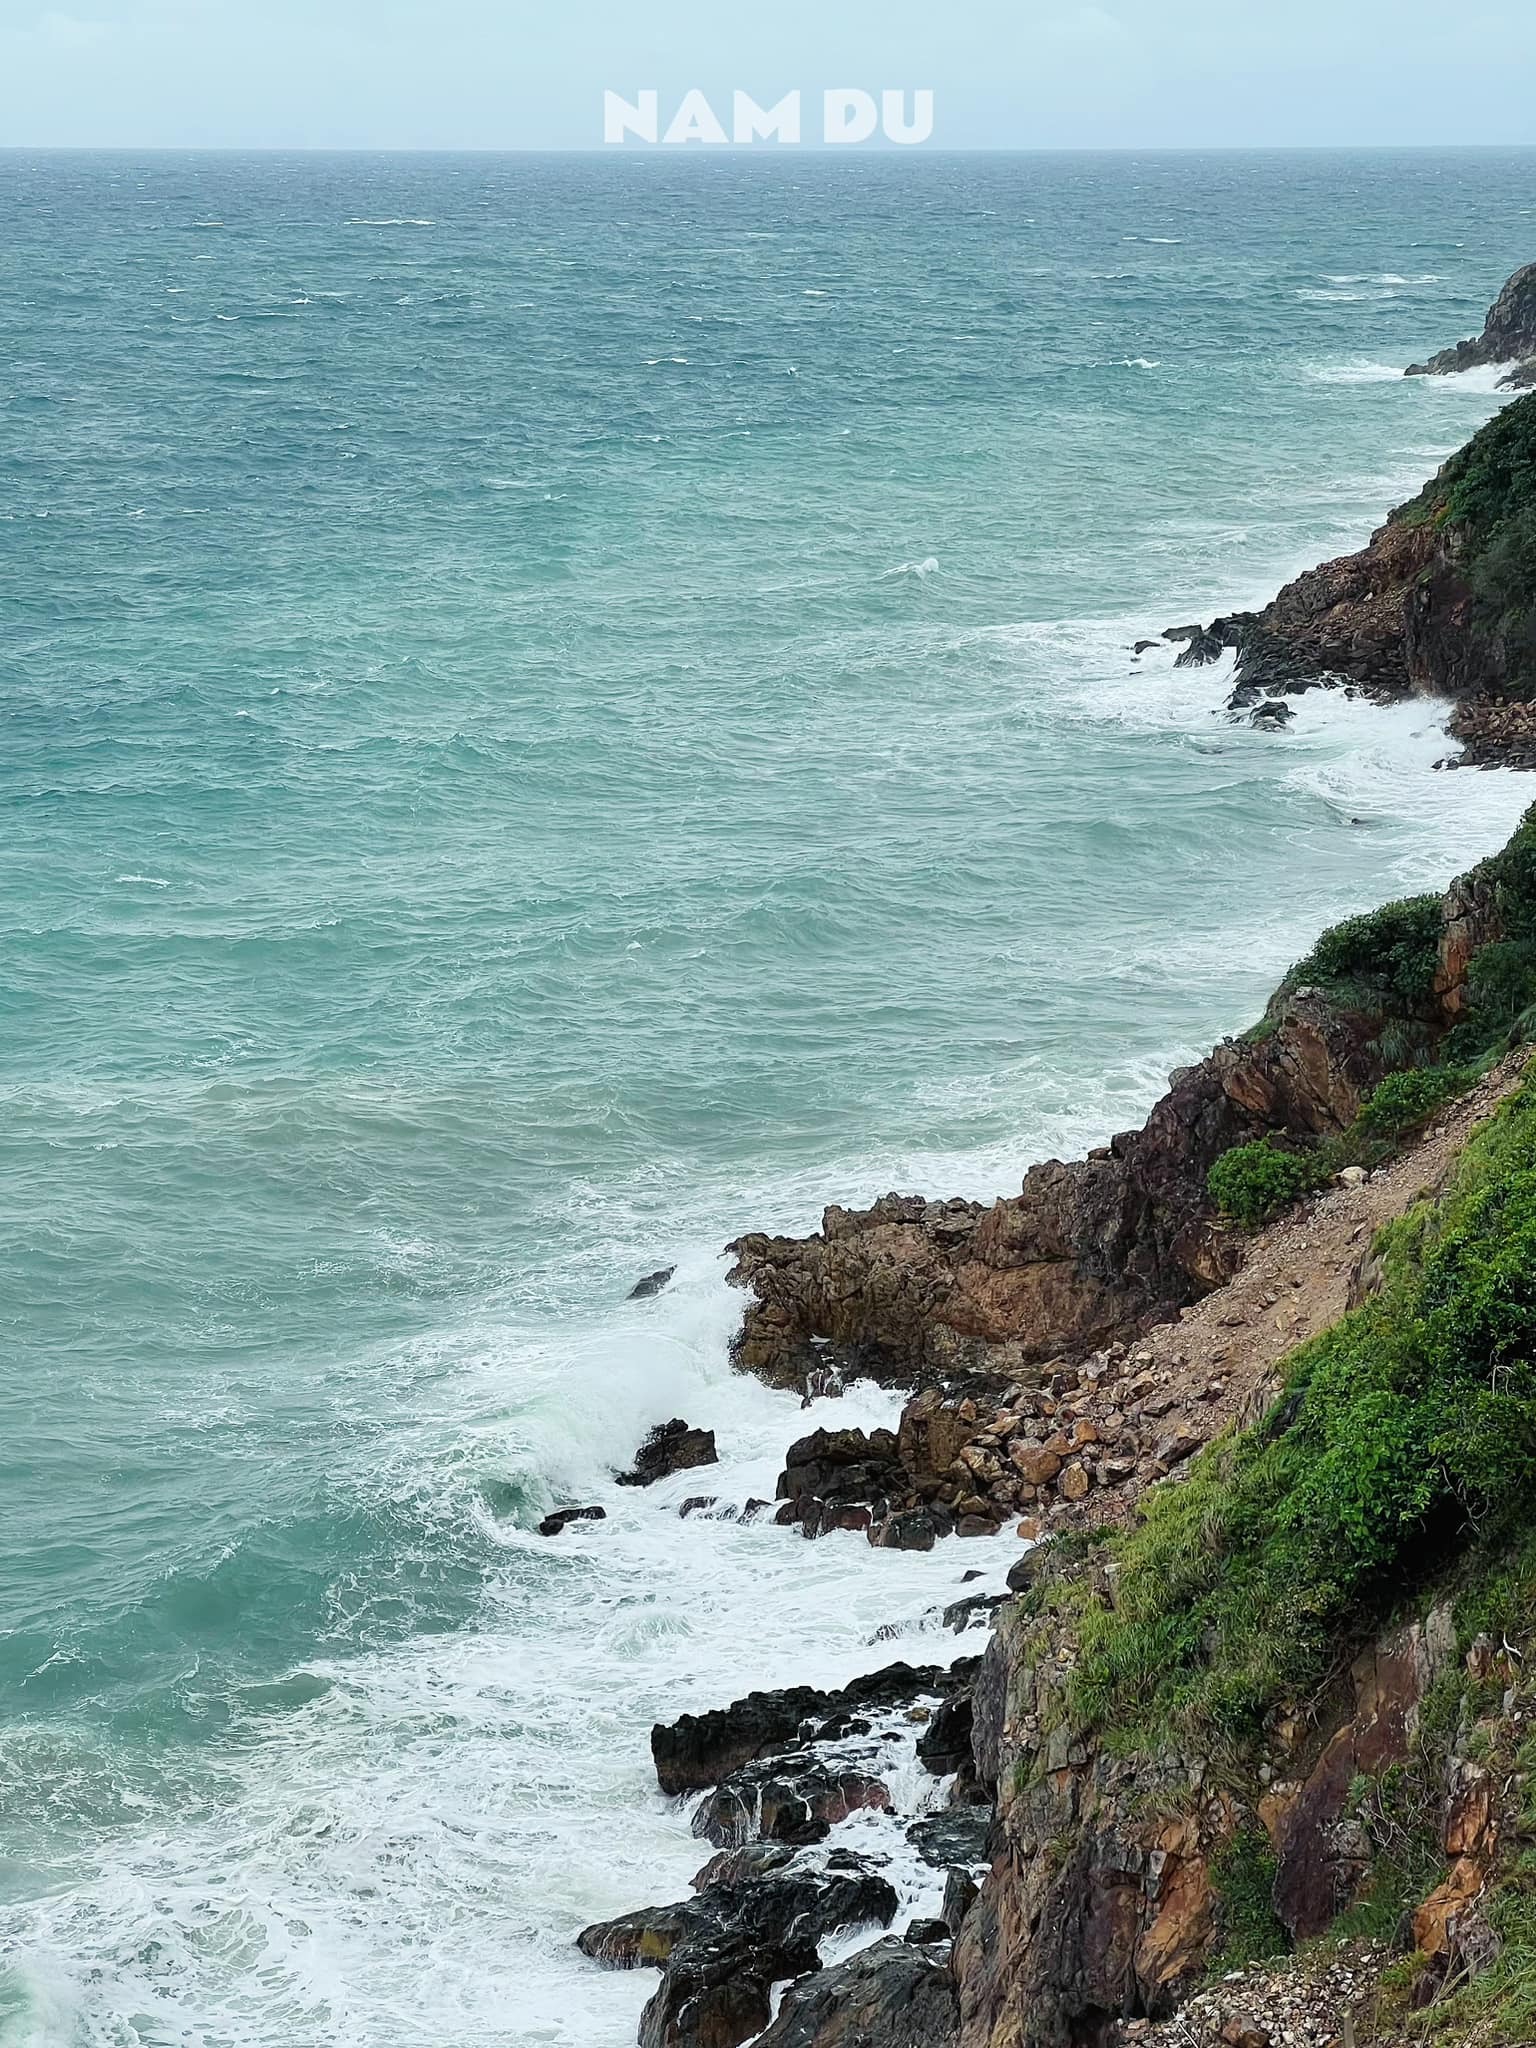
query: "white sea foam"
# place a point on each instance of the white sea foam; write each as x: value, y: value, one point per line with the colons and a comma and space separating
x: 926, y: 567
x: 350, y: 1883
x: 1358, y: 370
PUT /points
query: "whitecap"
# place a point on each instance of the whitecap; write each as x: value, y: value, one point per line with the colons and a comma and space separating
x: 149, y: 881
x: 1358, y: 370
x: 926, y: 567
x: 1141, y: 362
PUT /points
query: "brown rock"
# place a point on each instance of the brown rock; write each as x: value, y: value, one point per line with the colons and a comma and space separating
x: 1037, y: 1464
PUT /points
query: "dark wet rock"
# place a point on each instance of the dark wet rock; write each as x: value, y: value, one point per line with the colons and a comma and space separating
x: 1142, y: 646
x: 653, y: 1283
x: 717, y: 1991
x: 796, y: 1801
x: 764, y: 1904
x: 911, y: 1529
x: 741, y: 1866
x: 1177, y: 633
x: 1508, y: 336
x: 698, y: 1750
x: 945, y: 1744
x: 842, y: 1465
x: 671, y: 1447
x: 890, y: 1995
x: 1025, y: 1570
x: 728, y: 1947
x: 925, y: 1933
x: 1206, y: 647
x: 1272, y: 716
x: 963, y: 1614
x: 957, y: 1835
x: 563, y: 1517
x: 698, y: 1504
x: 645, y: 1938
x: 960, y: 1893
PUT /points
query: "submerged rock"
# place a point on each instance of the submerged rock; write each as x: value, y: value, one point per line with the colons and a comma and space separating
x: 671, y: 1447
x: 563, y: 1517
x: 652, y: 1283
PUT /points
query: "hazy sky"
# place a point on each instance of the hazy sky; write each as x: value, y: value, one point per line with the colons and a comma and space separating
x: 501, y: 74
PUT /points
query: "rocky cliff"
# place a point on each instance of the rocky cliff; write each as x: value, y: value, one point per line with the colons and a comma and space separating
x: 1508, y: 336
x: 1440, y: 603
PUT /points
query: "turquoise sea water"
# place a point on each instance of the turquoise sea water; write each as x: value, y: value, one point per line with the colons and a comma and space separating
x: 556, y: 710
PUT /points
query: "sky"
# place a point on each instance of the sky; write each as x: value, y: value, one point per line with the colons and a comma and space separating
x: 505, y: 74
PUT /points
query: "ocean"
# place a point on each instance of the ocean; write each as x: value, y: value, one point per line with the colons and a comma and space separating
x: 557, y: 710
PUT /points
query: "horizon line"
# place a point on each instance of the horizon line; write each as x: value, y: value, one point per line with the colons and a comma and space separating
x: 676, y: 151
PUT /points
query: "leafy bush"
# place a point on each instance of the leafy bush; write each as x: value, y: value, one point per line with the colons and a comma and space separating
x: 1405, y: 1099
x: 1253, y: 1182
x: 1408, y: 1431
x: 1384, y: 960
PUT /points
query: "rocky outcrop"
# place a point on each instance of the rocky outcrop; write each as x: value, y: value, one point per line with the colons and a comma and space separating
x: 1508, y: 336
x: 697, y: 1751
x: 670, y: 1447
x: 1419, y: 610
x: 921, y: 1292
x: 721, y: 1952
x: 890, y: 1995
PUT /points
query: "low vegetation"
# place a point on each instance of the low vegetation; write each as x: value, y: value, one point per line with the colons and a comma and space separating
x: 1405, y: 1438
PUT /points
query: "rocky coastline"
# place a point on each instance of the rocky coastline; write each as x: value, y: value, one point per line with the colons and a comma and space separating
x: 1076, y: 1353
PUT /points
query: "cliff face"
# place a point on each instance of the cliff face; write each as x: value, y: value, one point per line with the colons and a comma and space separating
x: 1443, y: 600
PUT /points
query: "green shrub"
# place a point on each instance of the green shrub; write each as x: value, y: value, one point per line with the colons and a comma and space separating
x: 1253, y: 1182
x: 1384, y: 960
x: 1408, y: 1098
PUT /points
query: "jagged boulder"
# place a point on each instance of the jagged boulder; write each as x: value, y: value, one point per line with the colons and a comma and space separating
x: 721, y: 1953
x: 785, y: 1800
x: 834, y: 1471
x: 698, y: 1750
x: 670, y: 1447
x: 890, y: 1995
